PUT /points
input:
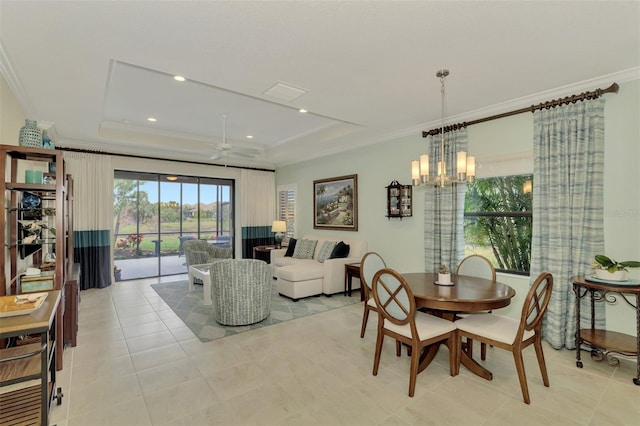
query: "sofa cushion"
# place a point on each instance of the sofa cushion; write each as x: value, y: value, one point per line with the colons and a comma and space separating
x: 341, y: 250
x: 304, y: 249
x: 308, y: 270
x: 325, y: 250
x: 290, y: 248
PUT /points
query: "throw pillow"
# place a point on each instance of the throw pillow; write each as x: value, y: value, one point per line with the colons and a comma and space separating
x: 304, y: 249
x: 325, y: 250
x: 292, y: 246
x: 341, y: 250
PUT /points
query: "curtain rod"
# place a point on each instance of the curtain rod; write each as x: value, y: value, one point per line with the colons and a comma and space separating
x: 88, y: 151
x: 595, y: 94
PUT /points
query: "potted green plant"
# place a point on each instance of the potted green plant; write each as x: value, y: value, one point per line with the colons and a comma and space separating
x: 444, y: 275
x: 608, y: 269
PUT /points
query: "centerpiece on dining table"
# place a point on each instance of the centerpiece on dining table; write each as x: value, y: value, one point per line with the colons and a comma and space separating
x: 444, y: 276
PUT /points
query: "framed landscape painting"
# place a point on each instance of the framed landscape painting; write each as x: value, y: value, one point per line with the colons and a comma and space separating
x: 335, y: 203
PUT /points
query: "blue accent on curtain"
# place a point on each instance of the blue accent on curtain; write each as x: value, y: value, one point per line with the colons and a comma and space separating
x: 568, y: 210
x: 91, y: 249
x: 255, y: 236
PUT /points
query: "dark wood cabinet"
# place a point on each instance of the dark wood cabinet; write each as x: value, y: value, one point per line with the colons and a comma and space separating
x: 49, y: 202
x: 399, y: 200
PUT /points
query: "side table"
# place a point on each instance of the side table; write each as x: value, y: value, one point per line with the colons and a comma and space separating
x: 201, y: 272
x: 352, y: 270
x: 606, y: 344
x: 263, y: 253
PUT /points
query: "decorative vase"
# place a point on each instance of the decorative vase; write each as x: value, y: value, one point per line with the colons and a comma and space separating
x: 47, y: 143
x: 30, y: 135
x: 444, y: 278
x: 603, y: 274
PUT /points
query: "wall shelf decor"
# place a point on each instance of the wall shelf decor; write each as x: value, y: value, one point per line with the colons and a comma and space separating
x: 399, y: 200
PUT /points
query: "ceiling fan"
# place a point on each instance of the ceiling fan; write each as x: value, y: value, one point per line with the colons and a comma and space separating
x: 225, y: 149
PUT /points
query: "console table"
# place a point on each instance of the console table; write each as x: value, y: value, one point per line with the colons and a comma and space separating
x: 606, y: 343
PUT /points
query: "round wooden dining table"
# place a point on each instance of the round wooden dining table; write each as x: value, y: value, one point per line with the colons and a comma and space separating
x: 467, y: 294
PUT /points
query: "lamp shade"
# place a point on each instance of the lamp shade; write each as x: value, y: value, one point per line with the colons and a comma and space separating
x: 279, y: 226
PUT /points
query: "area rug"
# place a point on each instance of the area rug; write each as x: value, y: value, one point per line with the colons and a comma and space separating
x: 199, y: 318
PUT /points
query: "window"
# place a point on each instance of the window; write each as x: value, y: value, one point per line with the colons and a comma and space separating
x: 156, y: 213
x: 498, y: 221
x: 287, y: 208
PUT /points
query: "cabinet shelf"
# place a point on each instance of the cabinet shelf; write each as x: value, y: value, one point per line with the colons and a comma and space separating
x: 606, y: 342
x: 610, y: 340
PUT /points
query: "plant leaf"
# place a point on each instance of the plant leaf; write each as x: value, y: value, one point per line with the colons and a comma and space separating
x: 630, y: 264
x: 604, y: 261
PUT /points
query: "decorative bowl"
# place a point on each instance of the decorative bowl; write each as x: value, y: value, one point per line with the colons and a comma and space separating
x: 30, y: 201
x: 603, y: 274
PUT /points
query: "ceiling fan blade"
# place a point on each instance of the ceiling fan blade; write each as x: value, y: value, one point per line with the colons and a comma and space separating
x: 245, y: 150
x: 242, y: 154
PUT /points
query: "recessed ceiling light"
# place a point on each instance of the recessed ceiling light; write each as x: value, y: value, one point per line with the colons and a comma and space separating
x: 172, y: 178
x: 153, y: 120
x: 179, y: 78
x: 303, y: 111
x: 249, y: 136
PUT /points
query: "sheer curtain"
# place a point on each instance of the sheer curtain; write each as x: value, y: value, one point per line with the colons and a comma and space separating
x: 444, y: 206
x: 568, y: 226
x: 92, y: 216
x: 257, y: 209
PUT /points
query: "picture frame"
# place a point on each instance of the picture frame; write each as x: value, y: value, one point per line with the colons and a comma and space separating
x: 335, y: 203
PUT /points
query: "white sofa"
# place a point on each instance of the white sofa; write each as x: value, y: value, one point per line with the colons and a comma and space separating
x: 298, y: 278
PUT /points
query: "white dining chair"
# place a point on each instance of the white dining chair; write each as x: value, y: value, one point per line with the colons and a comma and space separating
x: 399, y: 319
x: 371, y: 263
x: 515, y: 335
x: 476, y: 266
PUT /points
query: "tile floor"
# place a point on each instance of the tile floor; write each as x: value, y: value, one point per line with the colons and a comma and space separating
x: 137, y: 364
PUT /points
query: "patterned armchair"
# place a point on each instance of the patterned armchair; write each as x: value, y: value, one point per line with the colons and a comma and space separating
x: 198, y: 252
x: 241, y: 291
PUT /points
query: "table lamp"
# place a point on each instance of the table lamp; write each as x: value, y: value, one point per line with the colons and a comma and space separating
x: 279, y: 227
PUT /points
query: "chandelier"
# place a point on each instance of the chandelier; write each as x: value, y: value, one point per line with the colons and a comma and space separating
x: 465, y: 165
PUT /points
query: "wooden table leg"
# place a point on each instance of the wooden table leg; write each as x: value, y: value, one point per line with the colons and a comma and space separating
x: 428, y: 355
x: 473, y: 366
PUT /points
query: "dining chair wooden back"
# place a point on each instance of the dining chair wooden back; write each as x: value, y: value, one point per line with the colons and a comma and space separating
x: 476, y: 266
x: 371, y: 263
x: 514, y: 335
x: 398, y: 318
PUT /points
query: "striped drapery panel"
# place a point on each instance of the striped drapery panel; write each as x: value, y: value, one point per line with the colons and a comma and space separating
x: 568, y: 209
x: 93, y: 216
x: 257, y: 209
x: 444, y: 207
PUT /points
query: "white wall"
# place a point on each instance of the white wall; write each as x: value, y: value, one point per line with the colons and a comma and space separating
x: 500, y: 145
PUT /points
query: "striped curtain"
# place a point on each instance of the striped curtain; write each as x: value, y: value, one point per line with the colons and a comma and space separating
x: 568, y: 224
x: 257, y: 209
x: 444, y: 207
x: 92, y: 216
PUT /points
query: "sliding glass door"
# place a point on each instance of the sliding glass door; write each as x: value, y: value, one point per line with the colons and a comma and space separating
x: 156, y: 213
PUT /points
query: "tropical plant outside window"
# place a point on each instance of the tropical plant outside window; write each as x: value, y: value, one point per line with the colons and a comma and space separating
x: 498, y: 221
